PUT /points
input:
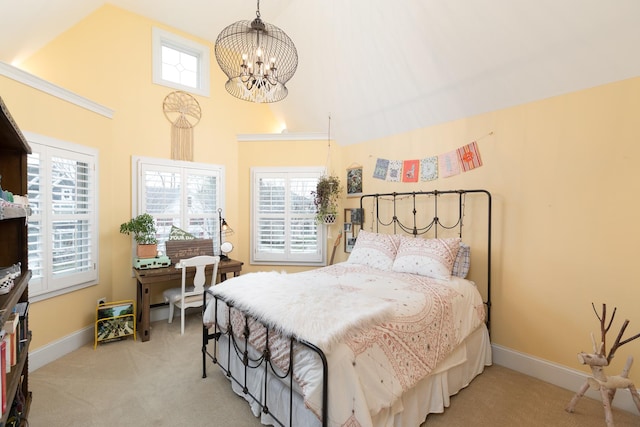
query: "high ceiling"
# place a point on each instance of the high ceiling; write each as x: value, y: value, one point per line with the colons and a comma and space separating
x: 385, y: 67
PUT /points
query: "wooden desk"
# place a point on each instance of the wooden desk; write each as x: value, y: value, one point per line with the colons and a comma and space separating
x: 148, y: 277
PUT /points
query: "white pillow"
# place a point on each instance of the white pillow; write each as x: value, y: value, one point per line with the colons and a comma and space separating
x: 375, y: 250
x: 427, y: 257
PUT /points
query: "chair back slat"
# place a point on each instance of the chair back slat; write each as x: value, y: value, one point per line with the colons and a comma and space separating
x: 200, y: 263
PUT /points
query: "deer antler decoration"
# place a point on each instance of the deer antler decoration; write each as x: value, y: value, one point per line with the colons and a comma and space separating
x: 598, y: 360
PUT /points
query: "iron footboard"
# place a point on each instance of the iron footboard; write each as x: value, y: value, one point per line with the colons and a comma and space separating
x: 239, y: 348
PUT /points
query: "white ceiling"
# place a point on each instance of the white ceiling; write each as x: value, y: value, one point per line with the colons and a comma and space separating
x: 385, y: 67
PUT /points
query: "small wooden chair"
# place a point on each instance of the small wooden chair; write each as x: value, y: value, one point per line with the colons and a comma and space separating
x: 191, y: 296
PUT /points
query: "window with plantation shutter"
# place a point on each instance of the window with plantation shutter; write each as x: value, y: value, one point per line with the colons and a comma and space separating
x: 186, y: 195
x: 63, y: 226
x: 284, y: 230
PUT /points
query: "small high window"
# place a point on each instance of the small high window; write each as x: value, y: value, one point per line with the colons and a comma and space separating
x: 180, y: 63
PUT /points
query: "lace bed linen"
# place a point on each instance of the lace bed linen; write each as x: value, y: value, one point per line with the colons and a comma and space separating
x: 372, y: 365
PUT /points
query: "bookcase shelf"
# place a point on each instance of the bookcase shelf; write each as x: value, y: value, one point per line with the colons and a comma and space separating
x: 13, y: 381
x: 13, y: 250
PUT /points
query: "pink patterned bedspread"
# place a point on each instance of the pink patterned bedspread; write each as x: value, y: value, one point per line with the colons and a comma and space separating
x: 371, y: 368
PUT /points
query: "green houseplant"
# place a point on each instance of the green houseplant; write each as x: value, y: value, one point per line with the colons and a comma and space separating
x: 325, y: 198
x: 143, y: 229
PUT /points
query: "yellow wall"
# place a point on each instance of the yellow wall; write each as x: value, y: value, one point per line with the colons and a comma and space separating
x: 37, y: 112
x: 562, y: 173
x: 564, y: 180
x: 113, y: 68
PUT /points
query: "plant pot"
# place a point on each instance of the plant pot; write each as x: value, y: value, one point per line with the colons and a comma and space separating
x: 147, y: 251
x: 329, y: 218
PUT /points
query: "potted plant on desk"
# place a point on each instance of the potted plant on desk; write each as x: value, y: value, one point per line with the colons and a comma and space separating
x: 143, y: 229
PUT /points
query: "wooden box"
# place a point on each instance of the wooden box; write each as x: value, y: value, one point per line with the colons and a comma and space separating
x: 182, y: 249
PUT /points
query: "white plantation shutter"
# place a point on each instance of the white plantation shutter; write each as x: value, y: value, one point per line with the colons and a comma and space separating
x: 62, y: 230
x: 284, y: 229
x: 182, y: 194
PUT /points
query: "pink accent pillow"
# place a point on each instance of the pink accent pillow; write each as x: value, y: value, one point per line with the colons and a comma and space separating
x: 427, y: 257
x: 375, y: 250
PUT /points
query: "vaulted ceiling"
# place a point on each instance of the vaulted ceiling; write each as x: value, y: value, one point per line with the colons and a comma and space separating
x: 385, y: 67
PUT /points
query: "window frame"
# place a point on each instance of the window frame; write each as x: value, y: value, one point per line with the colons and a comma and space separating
x: 162, y: 38
x: 49, y: 286
x: 138, y: 194
x: 256, y: 257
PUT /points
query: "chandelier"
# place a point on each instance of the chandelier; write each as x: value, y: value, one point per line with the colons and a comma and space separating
x: 258, y: 58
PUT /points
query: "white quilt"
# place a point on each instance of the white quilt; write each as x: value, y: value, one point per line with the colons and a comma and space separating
x: 406, y: 325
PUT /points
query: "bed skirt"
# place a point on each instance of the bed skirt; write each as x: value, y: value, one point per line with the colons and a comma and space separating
x: 430, y: 395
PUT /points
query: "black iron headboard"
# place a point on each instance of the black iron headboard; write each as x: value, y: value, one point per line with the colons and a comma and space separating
x: 419, y: 213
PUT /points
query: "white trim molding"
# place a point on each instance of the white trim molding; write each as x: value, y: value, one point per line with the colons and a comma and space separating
x: 21, y: 76
x: 555, y: 374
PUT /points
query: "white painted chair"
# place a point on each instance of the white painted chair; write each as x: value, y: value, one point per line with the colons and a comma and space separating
x: 191, y: 296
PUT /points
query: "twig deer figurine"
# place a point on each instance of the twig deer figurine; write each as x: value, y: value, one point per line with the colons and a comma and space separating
x: 598, y: 360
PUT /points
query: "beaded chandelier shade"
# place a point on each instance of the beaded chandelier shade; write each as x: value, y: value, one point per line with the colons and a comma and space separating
x: 258, y: 58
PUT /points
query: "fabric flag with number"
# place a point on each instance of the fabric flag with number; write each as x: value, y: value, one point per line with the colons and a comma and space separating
x: 448, y: 164
x: 469, y: 156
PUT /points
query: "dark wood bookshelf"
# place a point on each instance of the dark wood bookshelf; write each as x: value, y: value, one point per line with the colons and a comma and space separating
x: 14, y: 149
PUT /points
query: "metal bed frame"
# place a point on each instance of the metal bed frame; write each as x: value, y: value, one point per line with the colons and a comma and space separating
x: 435, y: 224
x: 238, y: 343
x: 240, y: 347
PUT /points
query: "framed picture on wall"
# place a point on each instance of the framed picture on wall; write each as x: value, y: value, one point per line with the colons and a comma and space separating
x: 348, y: 236
x: 349, y: 242
x: 354, y: 182
x: 353, y: 218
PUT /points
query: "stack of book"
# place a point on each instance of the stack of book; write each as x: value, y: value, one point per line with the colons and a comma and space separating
x: 13, y: 338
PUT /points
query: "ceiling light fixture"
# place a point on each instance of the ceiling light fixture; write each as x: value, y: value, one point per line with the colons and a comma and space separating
x: 258, y: 58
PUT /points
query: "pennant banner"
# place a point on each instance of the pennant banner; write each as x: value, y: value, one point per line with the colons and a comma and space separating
x: 463, y: 159
x: 429, y: 168
x: 410, y: 170
x: 382, y: 166
x: 395, y: 171
x: 469, y: 156
x: 448, y: 164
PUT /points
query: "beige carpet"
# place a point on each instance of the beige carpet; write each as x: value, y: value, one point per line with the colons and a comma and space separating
x: 159, y: 383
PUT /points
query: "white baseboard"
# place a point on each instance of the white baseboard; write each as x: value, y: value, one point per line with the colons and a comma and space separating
x: 52, y: 351
x: 561, y: 376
